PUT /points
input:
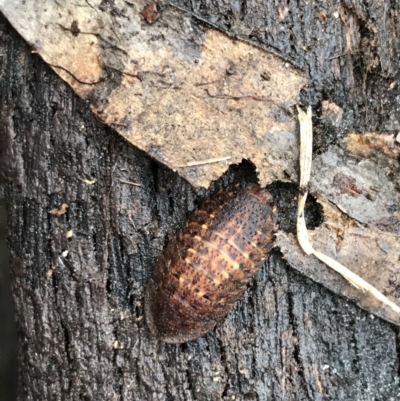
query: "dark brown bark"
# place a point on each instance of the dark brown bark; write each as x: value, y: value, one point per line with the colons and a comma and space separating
x: 80, y: 317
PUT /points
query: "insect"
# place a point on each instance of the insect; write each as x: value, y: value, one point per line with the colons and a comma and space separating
x: 206, y: 267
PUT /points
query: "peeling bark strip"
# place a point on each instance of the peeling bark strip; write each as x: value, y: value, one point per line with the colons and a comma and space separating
x: 174, y: 88
x: 205, y: 269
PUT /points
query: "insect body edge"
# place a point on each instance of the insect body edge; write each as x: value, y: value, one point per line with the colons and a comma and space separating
x: 206, y: 267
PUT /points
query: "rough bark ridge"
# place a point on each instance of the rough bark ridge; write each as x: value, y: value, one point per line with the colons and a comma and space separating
x: 80, y: 316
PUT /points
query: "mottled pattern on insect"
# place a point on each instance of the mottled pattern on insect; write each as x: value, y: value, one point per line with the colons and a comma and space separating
x: 206, y: 267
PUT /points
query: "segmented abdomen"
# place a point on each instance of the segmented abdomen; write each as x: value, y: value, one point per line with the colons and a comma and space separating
x: 206, y: 267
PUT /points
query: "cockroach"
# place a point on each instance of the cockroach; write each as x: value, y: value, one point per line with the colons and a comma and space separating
x: 206, y: 267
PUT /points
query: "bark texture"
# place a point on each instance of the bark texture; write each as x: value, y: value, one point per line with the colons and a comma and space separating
x: 80, y: 319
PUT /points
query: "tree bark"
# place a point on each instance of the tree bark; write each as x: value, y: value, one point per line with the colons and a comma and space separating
x: 80, y: 319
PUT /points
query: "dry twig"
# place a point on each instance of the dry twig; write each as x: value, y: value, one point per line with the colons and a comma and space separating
x: 207, y: 161
x: 130, y: 183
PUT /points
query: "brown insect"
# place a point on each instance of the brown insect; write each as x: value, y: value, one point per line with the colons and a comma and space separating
x: 206, y: 267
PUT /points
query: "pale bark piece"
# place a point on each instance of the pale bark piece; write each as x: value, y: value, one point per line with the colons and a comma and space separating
x: 179, y: 91
x: 361, y: 228
x: 366, y: 144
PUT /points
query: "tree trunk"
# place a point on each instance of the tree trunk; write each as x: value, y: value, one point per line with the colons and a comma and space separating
x: 80, y: 319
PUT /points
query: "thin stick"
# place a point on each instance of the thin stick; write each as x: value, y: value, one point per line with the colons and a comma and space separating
x: 130, y: 183
x: 302, y: 233
x: 207, y: 161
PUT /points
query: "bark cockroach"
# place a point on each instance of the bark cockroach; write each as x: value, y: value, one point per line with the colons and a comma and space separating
x: 206, y: 267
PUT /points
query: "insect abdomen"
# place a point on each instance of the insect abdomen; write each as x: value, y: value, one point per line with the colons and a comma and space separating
x: 207, y: 266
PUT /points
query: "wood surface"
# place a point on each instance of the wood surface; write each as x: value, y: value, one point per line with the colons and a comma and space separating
x: 80, y: 319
